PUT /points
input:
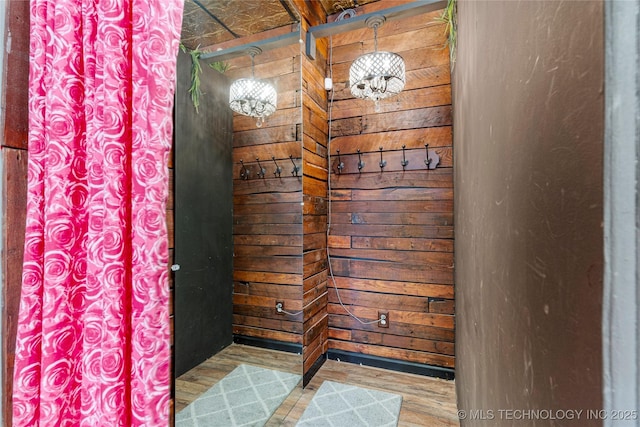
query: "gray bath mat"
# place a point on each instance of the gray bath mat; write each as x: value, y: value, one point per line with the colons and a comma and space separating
x: 247, y: 396
x: 340, y: 405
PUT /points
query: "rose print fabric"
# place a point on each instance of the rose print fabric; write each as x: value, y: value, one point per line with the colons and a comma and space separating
x: 93, y: 331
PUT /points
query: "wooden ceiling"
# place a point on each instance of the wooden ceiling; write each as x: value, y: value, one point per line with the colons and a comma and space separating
x: 210, y: 22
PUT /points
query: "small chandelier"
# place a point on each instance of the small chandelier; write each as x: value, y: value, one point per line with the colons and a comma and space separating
x: 377, y: 75
x: 253, y: 97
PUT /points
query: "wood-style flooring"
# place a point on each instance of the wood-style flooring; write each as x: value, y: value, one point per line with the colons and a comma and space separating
x: 201, y: 378
x: 425, y: 401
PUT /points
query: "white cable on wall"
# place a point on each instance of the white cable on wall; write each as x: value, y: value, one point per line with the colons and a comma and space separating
x: 279, y: 309
x: 348, y: 13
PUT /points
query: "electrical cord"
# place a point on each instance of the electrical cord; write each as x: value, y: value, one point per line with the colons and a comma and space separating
x: 350, y: 13
x: 347, y: 13
x: 279, y: 309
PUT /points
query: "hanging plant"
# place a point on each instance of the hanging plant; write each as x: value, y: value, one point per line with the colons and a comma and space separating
x: 220, y: 66
x: 449, y: 18
x: 196, y: 71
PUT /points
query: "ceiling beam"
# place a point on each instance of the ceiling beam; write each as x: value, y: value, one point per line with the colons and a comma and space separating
x: 265, y: 44
x: 290, y: 11
x: 325, y: 30
x: 359, y: 21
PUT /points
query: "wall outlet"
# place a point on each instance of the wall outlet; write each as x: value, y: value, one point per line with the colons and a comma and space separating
x: 328, y: 83
x: 279, y: 307
x: 383, y: 319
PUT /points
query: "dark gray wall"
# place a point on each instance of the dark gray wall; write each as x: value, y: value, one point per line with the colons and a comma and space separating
x: 528, y: 138
x: 203, y: 289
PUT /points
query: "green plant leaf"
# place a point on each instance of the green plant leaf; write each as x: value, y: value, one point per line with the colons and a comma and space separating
x: 196, y: 71
x: 448, y: 17
x: 220, y: 66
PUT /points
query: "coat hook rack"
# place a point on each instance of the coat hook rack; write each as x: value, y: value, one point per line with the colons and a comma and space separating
x: 404, y: 161
x: 427, y: 160
x: 296, y: 169
x: 278, y: 170
x: 244, y: 174
x: 261, y: 170
x: 360, y: 162
x: 340, y: 163
x: 382, y: 163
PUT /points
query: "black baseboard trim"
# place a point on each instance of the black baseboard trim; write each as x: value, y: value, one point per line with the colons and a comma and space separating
x: 268, y: 344
x: 392, y: 364
x: 347, y: 356
x: 306, y: 378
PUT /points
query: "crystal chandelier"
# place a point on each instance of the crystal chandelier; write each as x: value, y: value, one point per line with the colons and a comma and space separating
x: 253, y: 97
x: 377, y: 75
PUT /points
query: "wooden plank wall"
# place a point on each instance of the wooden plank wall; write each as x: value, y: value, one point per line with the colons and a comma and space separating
x: 391, y: 239
x: 267, y: 211
x: 314, y: 187
x: 14, y: 177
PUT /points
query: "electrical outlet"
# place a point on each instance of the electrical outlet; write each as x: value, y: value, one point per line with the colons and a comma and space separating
x: 383, y: 319
x: 279, y: 307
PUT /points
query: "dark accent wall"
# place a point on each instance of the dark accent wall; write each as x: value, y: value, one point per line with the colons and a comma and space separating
x: 528, y: 113
x: 203, y: 218
x: 14, y: 182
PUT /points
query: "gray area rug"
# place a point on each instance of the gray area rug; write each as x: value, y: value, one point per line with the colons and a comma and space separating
x: 341, y: 405
x: 247, y: 396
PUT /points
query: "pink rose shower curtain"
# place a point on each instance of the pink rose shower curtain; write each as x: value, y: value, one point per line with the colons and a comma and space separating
x: 93, y: 332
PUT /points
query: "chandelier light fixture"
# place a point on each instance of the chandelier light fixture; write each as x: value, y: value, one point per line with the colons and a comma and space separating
x: 377, y: 75
x: 253, y: 97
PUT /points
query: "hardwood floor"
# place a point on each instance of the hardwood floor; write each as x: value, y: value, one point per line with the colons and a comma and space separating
x: 425, y: 401
x: 201, y: 378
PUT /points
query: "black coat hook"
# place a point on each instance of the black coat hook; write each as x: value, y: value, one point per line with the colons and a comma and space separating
x: 404, y: 161
x: 427, y: 160
x: 296, y: 169
x: 382, y: 163
x: 261, y: 170
x: 278, y: 168
x: 244, y: 174
x: 340, y: 164
x: 360, y: 162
